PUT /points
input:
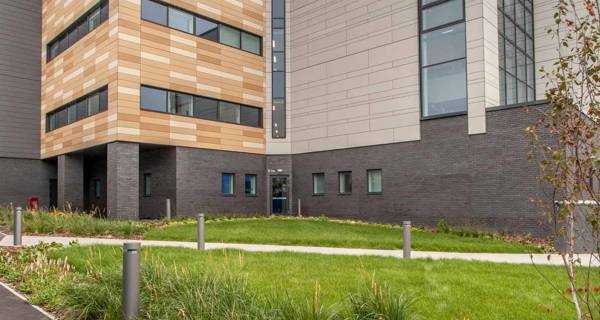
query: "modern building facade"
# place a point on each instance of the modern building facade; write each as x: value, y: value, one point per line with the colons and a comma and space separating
x: 378, y: 110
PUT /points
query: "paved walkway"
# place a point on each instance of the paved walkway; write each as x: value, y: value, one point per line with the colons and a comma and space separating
x: 520, y: 258
x: 14, y: 306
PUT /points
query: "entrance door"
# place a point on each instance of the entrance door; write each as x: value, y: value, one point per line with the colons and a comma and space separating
x: 53, y: 194
x: 279, y: 194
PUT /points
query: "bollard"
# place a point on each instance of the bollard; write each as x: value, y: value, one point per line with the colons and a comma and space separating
x: 200, y: 236
x: 299, y: 208
x: 406, y: 239
x: 131, y: 280
x: 18, y: 218
x: 168, y: 209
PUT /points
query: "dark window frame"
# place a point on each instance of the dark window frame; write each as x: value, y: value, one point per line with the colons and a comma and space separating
x: 324, y: 184
x: 345, y: 193
x: 147, y: 188
x: 422, y: 31
x: 53, y: 115
x: 260, y: 110
x: 374, y: 192
x: 219, y: 24
x: 255, y: 176
x: 75, y: 26
x: 232, y: 194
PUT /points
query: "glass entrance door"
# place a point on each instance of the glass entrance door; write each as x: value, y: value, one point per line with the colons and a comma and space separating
x: 279, y: 194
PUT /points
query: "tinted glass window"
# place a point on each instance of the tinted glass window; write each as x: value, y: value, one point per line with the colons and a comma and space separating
x: 318, y: 183
x: 374, y: 184
x: 180, y: 20
x: 103, y: 100
x: 278, y: 24
x: 147, y: 185
x: 278, y: 84
x: 278, y: 122
x: 345, y: 182
x: 250, y: 185
x: 94, y: 19
x: 229, y: 36
x: 444, y: 88
x: 206, y: 108
x: 63, y: 118
x: 443, y: 45
x: 94, y: 104
x: 278, y: 61
x: 82, y: 109
x: 207, y: 29
x: 278, y: 40
x: 229, y: 112
x: 250, y: 43
x: 250, y: 116
x: 154, y: 12
x: 278, y: 8
x: 82, y: 29
x: 72, y: 113
x: 227, y: 184
x: 73, y: 36
x: 180, y: 103
x: 153, y: 99
x: 442, y: 14
x: 64, y: 43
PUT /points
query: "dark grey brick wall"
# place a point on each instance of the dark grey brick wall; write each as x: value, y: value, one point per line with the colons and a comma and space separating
x: 20, y: 55
x: 23, y: 178
x: 161, y: 164
x: 70, y: 182
x: 122, y: 171
x: 199, y: 182
x: 483, y: 181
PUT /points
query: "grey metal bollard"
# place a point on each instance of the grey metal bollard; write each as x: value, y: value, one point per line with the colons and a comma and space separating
x: 200, y: 236
x: 131, y: 280
x: 18, y: 231
x: 168, y: 209
x: 406, y: 239
x: 299, y: 208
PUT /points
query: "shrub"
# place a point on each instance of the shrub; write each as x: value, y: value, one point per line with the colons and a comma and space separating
x: 380, y: 303
x: 442, y: 226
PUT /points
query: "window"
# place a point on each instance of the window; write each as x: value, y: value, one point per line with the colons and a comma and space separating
x: 205, y: 108
x: 278, y: 67
x: 207, y: 29
x: 79, y: 109
x: 443, y: 58
x: 180, y: 103
x: 229, y: 112
x: 160, y: 100
x: 77, y: 30
x: 374, y: 184
x: 97, y: 188
x: 516, y: 47
x: 154, y: 12
x: 345, y: 182
x: 278, y: 61
x: 250, y: 184
x: 153, y: 99
x: 251, y: 43
x: 147, y: 184
x: 278, y: 118
x: 181, y: 21
x: 318, y: 183
x: 229, y: 36
x: 227, y: 182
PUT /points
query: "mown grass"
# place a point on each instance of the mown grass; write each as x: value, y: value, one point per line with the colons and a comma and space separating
x: 447, y: 289
x: 330, y: 233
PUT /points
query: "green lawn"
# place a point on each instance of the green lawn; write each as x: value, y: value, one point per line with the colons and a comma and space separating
x: 329, y: 233
x: 449, y: 289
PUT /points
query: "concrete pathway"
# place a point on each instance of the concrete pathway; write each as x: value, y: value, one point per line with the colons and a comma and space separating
x: 14, y: 306
x: 519, y: 258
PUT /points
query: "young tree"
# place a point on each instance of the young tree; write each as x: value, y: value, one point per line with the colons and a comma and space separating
x: 569, y: 163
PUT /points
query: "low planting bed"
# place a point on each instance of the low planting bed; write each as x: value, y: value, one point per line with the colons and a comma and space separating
x: 84, y: 283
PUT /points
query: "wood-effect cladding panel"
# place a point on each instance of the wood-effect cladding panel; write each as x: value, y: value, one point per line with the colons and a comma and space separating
x: 126, y: 52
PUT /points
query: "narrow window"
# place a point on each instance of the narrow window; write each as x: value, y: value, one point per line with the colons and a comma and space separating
x: 227, y: 183
x: 82, y: 109
x: 345, y: 182
x: 374, y: 184
x: 181, y: 20
x: 180, y: 103
x: 103, y: 100
x: 318, y: 183
x: 94, y: 104
x: 94, y: 19
x: 97, y: 188
x: 250, y: 184
x: 147, y: 184
x: 72, y: 113
x: 153, y: 99
x: 278, y: 68
x: 229, y: 36
x: 154, y: 12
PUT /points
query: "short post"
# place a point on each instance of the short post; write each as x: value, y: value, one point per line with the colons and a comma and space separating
x: 18, y: 218
x: 406, y: 239
x: 299, y: 208
x: 200, y: 238
x: 168, y: 209
x: 131, y: 280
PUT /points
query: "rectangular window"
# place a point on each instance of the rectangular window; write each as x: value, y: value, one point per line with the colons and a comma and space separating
x: 76, y: 110
x: 251, y: 116
x: 94, y: 20
x: 180, y: 103
x: 227, y: 183
x: 251, y: 43
x: 82, y: 110
x: 229, y: 112
x: 278, y: 61
x: 97, y: 188
x: 153, y: 99
x: 72, y: 113
x: 181, y: 20
x: 229, y: 36
x: 206, y: 108
x: 374, y: 184
x: 278, y: 40
x: 345, y: 182
x: 278, y: 121
x: 147, y: 184
x: 207, y: 29
x: 250, y: 184
x: 443, y: 58
x: 154, y: 12
x: 94, y: 104
x: 318, y: 183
